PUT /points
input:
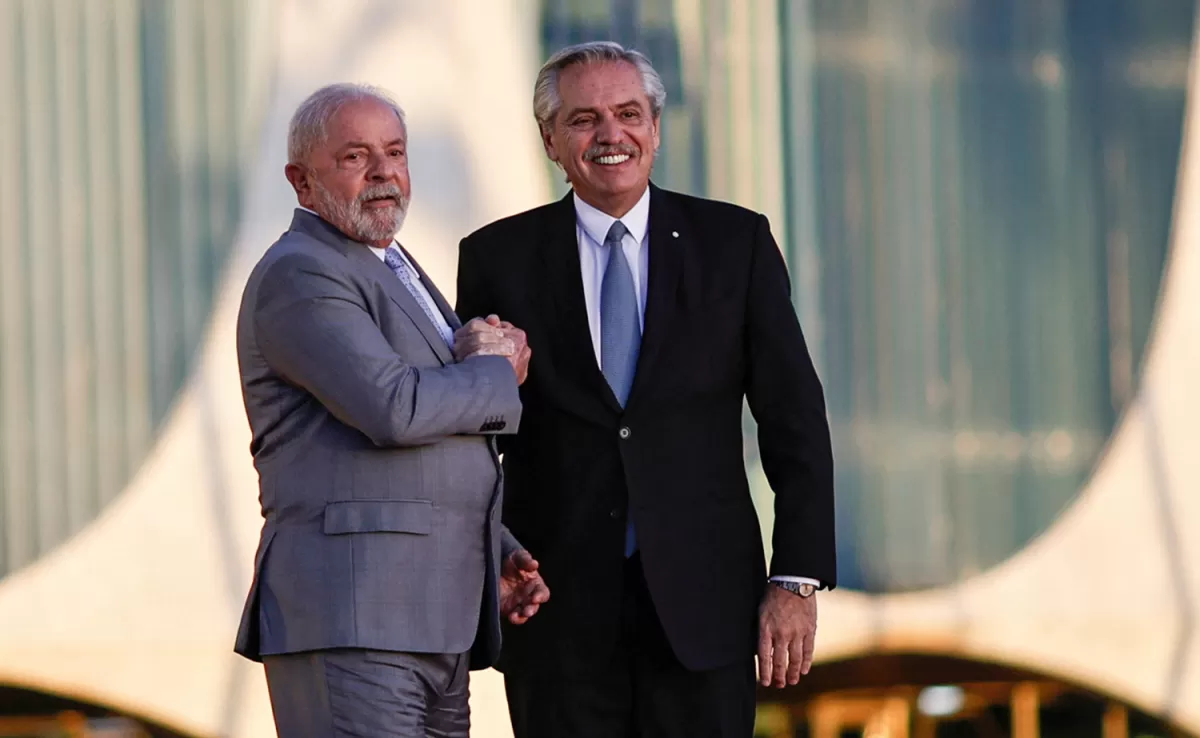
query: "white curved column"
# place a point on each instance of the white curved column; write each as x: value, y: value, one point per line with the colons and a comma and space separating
x: 138, y: 612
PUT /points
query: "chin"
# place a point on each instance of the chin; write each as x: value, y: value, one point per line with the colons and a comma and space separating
x: 623, y: 186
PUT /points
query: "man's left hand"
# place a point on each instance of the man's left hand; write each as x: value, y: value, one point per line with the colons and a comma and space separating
x: 522, y: 590
x: 787, y: 629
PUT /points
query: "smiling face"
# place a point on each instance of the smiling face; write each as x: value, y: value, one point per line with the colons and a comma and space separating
x: 604, y: 136
x: 357, y: 178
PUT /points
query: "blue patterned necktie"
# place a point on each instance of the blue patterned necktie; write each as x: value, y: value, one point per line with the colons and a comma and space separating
x: 400, y: 268
x: 620, y: 330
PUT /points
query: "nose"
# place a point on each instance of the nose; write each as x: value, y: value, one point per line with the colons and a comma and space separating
x: 609, y: 131
x: 383, y: 168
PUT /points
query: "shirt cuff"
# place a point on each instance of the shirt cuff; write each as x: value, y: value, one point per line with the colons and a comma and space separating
x: 798, y: 580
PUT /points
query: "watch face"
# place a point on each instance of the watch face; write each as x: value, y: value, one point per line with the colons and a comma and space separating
x: 803, y: 590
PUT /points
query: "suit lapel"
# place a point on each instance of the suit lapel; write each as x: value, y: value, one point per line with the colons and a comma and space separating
x: 370, y: 264
x: 438, y: 298
x: 566, y: 310
x: 669, y: 239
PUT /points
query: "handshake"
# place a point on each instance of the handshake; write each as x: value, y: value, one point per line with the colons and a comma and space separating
x: 491, y: 336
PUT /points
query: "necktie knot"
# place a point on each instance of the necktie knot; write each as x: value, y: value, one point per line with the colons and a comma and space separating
x: 616, y: 232
x: 394, y: 261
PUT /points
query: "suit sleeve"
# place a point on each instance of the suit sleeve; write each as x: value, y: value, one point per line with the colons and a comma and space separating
x: 508, y: 543
x: 472, y: 296
x: 788, y: 403
x: 313, y: 328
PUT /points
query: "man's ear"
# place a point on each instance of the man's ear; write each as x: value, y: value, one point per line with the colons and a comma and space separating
x: 548, y: 144
x: 297, y: 175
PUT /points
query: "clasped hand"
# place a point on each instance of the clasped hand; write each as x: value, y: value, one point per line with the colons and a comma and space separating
x: 493, y: 337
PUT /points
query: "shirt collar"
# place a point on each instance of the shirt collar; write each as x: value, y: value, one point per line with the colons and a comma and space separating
x: 596, y: 222
x: 381, y: 253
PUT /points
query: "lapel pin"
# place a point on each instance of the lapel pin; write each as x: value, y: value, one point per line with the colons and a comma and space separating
x: 674, y: 234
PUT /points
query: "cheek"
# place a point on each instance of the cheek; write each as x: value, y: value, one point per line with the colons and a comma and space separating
x: 348, y: 188
x: 650, y: 140
x: 574, y: 148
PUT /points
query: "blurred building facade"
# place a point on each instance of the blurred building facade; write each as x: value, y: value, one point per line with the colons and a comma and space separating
x: 989, y: 211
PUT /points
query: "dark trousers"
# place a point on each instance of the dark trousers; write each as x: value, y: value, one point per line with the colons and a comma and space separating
x: 643, y: 692
x: 356, y: 693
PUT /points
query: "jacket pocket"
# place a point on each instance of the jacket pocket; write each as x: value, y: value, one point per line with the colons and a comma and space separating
x: 379, y: 516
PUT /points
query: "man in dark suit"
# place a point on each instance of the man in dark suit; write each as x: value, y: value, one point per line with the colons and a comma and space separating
x: 651, y: 315
x: 383, y: 570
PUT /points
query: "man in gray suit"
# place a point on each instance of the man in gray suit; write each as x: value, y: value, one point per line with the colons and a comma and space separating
x: 383, y: 570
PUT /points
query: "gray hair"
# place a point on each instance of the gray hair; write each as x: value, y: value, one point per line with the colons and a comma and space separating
x: 310, y: 122
x: 546, y: 100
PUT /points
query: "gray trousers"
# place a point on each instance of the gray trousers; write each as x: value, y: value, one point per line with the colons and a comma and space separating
x: 356, y: 693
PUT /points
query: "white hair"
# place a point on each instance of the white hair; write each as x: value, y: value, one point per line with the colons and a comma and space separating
x: 310, y: 123
x: 547, y: 101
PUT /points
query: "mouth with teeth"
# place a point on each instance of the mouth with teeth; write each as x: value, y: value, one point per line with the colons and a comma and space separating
x: 610, y: 156
x: 612, y: 159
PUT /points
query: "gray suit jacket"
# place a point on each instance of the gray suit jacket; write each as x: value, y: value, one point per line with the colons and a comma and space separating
x: 378, y: 475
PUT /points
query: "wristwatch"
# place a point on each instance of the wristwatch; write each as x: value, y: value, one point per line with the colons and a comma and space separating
x: 796, y: 588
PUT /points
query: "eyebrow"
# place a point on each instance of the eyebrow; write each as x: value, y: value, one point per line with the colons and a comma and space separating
x: 365, y: 145
x: 634, y: 103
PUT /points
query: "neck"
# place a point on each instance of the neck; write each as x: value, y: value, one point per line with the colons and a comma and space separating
x: 616, y: 206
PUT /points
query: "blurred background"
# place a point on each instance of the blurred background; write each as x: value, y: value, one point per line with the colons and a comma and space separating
x: 988, y: 210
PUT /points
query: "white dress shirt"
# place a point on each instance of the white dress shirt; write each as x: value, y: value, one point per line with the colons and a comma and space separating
x: 591, y: 228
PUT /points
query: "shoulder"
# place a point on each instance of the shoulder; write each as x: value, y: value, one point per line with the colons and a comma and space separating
x: 299, y: 263
x: 727, y: 233
x: 712, y: 216
x: 298, y: 251
x: 513, y: 231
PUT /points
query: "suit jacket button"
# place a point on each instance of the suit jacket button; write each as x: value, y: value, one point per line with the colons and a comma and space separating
x: 615, y: 515
x: 624, y: 433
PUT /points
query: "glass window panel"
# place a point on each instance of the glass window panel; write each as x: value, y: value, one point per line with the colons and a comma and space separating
x: 993, y: 219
